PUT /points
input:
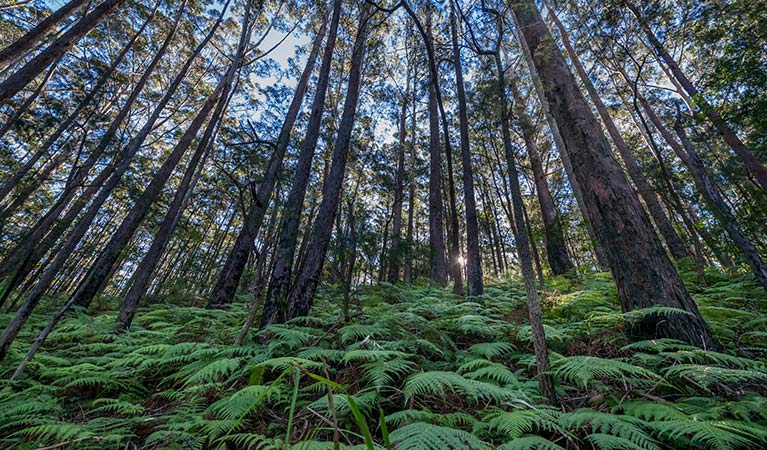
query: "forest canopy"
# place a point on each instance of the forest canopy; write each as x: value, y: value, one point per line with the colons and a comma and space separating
x: 397, y: 224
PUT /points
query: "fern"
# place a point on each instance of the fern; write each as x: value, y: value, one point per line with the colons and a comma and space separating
x: 491, y: 350
x: 530, y: 443
x: 705, y: 376
x: 440, y: 383
x: 424, y: 436
x: 515, y: 424
x: 582, y: 370
x: 625, y: 429
x: 716, y: 435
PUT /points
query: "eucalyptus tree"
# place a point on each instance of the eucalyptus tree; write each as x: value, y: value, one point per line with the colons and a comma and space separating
x: 752, y: 163
x: 291, y: 213
x: 231, y: 273
x: 643, y: 273
x: 55, y: 50
x: 301, y: 295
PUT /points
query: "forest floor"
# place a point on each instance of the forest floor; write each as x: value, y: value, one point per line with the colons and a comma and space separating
x: 416, y: 368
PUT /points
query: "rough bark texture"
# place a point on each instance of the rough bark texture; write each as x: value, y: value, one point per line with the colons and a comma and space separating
x: 473, y: 259
x: 301, y: 296
x: 556, y: 249
x: 676, y: 246
x: 231, y: 273
x: 599, y: 252
x: 644, y: 275
x: 291, y: 213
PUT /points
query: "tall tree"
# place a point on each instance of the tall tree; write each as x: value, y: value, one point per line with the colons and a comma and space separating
x: 104, y: 191
x: 473, y: 259
x: 291, y: 214
x: 643, y: 273
x: 676, y: 246
x: 301, y: 296
x: 22, y: 77
x: 231, y: 273
x: 756, y: 167
x: 39, y: 32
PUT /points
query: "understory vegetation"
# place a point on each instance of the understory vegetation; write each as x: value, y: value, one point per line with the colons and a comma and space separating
x: 415, y: 368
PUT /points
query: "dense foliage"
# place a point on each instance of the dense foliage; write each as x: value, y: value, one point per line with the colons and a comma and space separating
x: 416, y: 368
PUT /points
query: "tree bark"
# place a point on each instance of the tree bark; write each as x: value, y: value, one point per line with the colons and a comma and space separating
x: 644, y: 275
x: 437, y: 268
x: 545, y: 381
x: 148, y: 264
x: 291, y: 213
x: 556, y: 249
x: 648, y: 193
x: 39, y: 32
x: 301, y: 296
x: 473, y: 259
x: 395, y: 249
x: 231, y: 274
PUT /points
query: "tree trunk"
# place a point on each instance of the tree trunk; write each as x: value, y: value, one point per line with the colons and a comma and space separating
x: 705, y: 185
x: 545, y: 381
x: 675, y: 244
x: 39, y: 32
x: 148, y: 264
x: 22, y: 77
x: 70, y: 119
x: 757, y: 169
x: 599, y: 253
x: 230, y: 275
x: 644, y: 275
x: 395, y: 249
x: 473, y: 259
x: 556, y: 249
x: 437, y: 268
x: 301, y: 296
x: 407, y: 274
x: 291, y: 213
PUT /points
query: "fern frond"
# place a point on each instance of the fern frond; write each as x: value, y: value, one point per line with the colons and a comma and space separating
x: 530, y: 443
x: 625, y: 428
x: 424, y: 436
x: 705, y: 376
x: 583, y: 369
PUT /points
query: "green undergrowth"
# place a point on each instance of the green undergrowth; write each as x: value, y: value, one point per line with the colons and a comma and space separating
x: 416, y: 368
